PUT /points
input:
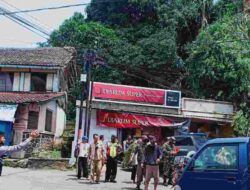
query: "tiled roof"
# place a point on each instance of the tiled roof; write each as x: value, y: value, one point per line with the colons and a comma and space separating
x: 49, y: 57
x: 28, y: 97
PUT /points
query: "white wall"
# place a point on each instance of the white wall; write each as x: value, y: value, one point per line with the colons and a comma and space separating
x: 52, y: 105
x: 107, y: 132
x: 60, y: 122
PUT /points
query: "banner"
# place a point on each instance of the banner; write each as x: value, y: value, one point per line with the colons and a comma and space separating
x: 128, y: 93
x: 123, y: 120
x: 7, y: 112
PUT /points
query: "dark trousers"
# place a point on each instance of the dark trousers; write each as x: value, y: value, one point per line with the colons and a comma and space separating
x: 1, y: 167
x: 111, y: 170
x: 133, y: 173
x: 82, y: 167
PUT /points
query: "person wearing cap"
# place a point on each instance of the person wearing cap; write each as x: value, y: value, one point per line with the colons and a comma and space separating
x: 151, y: 160
x: 83, y: 158
x: 10, y: 149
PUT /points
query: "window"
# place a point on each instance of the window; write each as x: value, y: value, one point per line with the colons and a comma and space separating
x: 223, y: 157
x: 33, y: 120
x: 48, y: 123
x: 6, y: 82
x: 38, y: 82
x: 184, y: 141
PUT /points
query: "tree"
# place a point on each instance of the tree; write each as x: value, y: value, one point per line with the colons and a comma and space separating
x: 82, y: 35
x: 218, y: 64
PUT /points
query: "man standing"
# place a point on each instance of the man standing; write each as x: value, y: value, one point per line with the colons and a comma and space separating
x: 139, y: 151
x: 10, y: 149
x: 97, y: 157
x: 166, y: 165
x: 151, y: 160
x: 170, y: 152
x: 113, y: 150
x: 83, y: 158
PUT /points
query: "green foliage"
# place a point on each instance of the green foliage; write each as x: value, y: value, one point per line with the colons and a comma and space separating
x: 163, y: 43
x: 241, y: 124
x: 219, y: 58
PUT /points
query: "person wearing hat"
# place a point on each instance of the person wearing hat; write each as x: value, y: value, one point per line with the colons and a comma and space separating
x: 113, y: 150
x: 83, y: 155
x: 10, y: 149
x: 151, y: 160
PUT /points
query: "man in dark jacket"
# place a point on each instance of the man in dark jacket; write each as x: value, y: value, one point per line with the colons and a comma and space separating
x: 151, y: 160
x: 139, y: 151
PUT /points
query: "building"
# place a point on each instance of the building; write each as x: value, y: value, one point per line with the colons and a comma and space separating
x: 128, y: 110
x: 33, y: 91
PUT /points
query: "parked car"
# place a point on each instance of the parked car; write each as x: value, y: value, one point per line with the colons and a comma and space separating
x: 219, y: 164
x: 190, y: 142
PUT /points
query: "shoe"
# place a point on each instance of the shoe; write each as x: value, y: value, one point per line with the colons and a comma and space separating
x: 106, y: 181
x: 97, y: 182
x: 138, y: 187
x: 113, y: 181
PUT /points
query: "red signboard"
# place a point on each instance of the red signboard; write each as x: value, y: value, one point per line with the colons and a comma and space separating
x: 122, y: 120
x: 128, y: 93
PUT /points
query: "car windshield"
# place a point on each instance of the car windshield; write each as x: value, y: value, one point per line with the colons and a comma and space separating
x: 200, y: 141
x: 184, y: 141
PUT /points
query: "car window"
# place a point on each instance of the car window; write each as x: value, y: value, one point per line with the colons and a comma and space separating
x: 221, y: 157
x: 184, y: 141
x: 200, y: 141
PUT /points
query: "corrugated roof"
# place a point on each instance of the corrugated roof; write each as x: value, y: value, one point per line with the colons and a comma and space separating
x: 49, y: 57
x: 28, y: 97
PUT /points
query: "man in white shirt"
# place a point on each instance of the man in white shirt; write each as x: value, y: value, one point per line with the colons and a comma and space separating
x: 83, y: 158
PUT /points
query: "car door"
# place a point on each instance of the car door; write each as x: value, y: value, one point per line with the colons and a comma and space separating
x: 216, y: 167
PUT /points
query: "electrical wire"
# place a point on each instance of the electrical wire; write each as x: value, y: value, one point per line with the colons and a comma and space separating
x: 23, y: 22
x: 34, y: 18
x: 45, y: 9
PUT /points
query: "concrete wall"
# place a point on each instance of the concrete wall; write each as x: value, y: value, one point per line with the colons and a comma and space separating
x: 52, y: 105
x: 60, y: 122
x: 107, y: 132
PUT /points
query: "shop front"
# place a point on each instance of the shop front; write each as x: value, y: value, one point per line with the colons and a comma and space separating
x: 128, y: 110
x: 136, y: 125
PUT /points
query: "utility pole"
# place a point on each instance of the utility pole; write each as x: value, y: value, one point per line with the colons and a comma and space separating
x: 90, y: 57
x: 90, y: 60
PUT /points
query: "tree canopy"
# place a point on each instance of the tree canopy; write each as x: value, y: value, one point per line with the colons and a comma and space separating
x: 198, y: 47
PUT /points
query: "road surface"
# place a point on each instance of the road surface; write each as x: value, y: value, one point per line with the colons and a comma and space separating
x: 27, y: 179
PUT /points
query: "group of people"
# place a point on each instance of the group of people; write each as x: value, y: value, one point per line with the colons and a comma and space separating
x: 96, y: 155
x: 146, y: 158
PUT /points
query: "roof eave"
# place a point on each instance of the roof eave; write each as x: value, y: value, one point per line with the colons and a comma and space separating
x: 30, y: 67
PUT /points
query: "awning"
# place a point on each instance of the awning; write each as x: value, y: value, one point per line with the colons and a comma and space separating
x: 7, y: 112
x: 129, y: 120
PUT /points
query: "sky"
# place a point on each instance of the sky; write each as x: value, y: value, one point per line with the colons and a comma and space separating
x: 14, y: 35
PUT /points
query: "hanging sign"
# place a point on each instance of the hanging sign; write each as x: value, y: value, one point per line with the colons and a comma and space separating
x: 128, y: 93
x: 173, y: 99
